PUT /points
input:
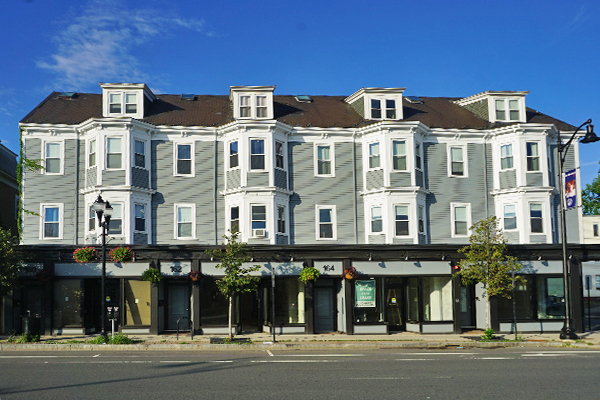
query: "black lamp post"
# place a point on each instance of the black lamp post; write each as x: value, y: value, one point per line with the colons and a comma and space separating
x: 103, y: 209
x: 568, y: 332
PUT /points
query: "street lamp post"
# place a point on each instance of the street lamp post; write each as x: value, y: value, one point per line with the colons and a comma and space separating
x: 103, y: 209
x: 568, y: 332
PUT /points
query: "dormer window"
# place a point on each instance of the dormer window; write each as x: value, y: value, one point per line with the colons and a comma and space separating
x: 122, y: 101
x: 507, y: 110
x: 386, y: 107
x: 261, y: 106
x: 125, y: 99
x: 252, y: 102
x: 130, y: 103
x: 377, y: 103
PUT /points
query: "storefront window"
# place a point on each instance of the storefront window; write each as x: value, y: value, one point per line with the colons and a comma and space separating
x: 437, y: 298
x: 137, y: 302
x: 551, y: 297
x: 523, y: 298
x: 214, y: 305
x: 67, y: 303
x: 412, y: 294
x: 289, y: 301
x: 367, y: 301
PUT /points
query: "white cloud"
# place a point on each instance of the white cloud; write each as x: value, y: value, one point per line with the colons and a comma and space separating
x: 98, y: 44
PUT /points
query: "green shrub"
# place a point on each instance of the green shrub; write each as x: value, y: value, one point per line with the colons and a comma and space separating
x: 119, y: 338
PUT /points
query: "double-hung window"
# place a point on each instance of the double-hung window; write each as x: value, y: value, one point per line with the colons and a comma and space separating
x: 113, y: 153
x: 376, y: 220
x: 533, y: 156
x: 257, y: 154
x: 114, y: 105
x: 184, y: 159
x: 233, y: 154
x: 281, y: 219
x: 418, y: 156
x: 510, y: 217
x: 234, y: 219
x: 116, y: 221
x: 92, y: 153
x: 595, y: 230
x: 324, y: 160
x: 535, y: 218
x: 399, y: 155
x: 402, y: 220
x: 374, y: 155
x: 53, y: 158
x: 457, y: 161
x: 259, y: 220
x: 513, y: 110
x: 421, y: 219
x: 140, y: 154
x: 245, y: 107
x: 278, y: 154
x: 140, y: 218
x: 91, y: 218
x: 51, y: 228
x: 130, y: 103
x: 261, y: 106
x: 461, y: 217
x: 326, y: 222
x: 185, y: 221
x: 506, y: 156
x: 383, y: 107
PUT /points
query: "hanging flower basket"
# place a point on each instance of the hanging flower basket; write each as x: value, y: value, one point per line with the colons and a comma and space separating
x: 195, y: 275
x: 309, y: 274
x: 121, y: 254
x: 85, y: 255
x: 152, y: 275
x: 350, y: 273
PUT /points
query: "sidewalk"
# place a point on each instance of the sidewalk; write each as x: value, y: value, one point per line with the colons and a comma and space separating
x: 262, y: 341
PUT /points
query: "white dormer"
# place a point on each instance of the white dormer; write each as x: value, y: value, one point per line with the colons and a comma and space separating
x: 378, y: 103
x: 252, y: 102
x: 505, y: 106
x: 125, y: 99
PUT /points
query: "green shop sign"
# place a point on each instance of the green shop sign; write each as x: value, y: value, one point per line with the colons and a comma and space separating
x: 365, y: 293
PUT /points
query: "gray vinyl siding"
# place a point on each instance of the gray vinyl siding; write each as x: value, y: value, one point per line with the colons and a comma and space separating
x: 535, y: 179
x: 311, y: 191
x: 281, y: 179
x: 419, y: 178
x: 376, y: 239
x: 140, y: 238
x: 400, y: 179
x: 359, y: 106
x: 113, y: 177
x: 171, y: 190
x: 398, y: 240
x: 140, y: 177
x: 508, y: 179
x: 258, y: 179
x: 511, y: 237
x: 537, y: 238
x: 40, y: 188
x: 91, y: 176
x: 281, y: 239
x: 374, y: 179
x: 446, y: 190
x: 479, y: 108
x: 234, y: 179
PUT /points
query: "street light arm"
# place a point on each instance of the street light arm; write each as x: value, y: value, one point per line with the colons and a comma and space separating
x: 562, y: 148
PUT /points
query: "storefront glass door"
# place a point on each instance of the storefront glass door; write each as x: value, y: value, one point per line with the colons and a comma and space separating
x: 178, y: 307
x: 394, y: 288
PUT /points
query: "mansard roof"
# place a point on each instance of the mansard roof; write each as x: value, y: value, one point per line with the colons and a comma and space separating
x: 322, y: 111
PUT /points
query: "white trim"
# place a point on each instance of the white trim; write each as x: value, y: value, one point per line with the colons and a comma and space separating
x: 331, y: 146
x: 463, y: 147
x: 123, y: 146
x: 379, y: 155
x: 264, y: 154
x: 192, y: 145
x: 407, y: 143
x: 283, y: 154
x: 453, y: 206
x: 61, y: 143
x: 176, y: 207
x: 333, y: 209
x: 543, y: 219
x: 371, y: 219
x: 410, y: 222
x: 61, y: 223
x: 253, y: 92
x: 506, y: 99
x: 228, y: 154
x: 133, y: 220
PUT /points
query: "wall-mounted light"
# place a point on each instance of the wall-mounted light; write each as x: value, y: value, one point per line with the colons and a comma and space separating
x: 406, y: 258
x: 370, y: 256
x: 292, y: 258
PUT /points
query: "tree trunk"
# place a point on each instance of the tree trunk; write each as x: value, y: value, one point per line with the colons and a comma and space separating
x: 230, y: 316
x: 487, y: 312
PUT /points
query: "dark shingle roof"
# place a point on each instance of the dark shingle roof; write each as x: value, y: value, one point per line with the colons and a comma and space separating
x: 323, y: 111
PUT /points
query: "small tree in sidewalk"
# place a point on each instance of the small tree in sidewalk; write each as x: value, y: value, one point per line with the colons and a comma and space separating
x: 9, y: 262
x: 237, y: 278
x: 486, y: 262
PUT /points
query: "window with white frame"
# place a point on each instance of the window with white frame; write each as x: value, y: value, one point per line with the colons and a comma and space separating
x: 533, y: 156
x: 140, y: 154
x: 233, y: 154
x: 119, y: 101
x: 245, y: 107
x: 261, y: 106
x: 259, y: 220
x: 510, y: 216
x: 383, y: 109
x: 536, y: 218
x: 53, y: 164
x: 324, y: 159
x: 281, y: 219
x: 234, y: 219
x: 113, y: 153
x: 402, y: 220
x: 418, y: 156
x: 506, y: 156
x: 184, y: 214
x: 399, y: 155
x: 461, y: 219
x: 184, y: 159
x: 326, y: 222
x: 376, y: 220
x: 92, y: 153
x: 116, y: 221
x: 253, y: 106
x: 130, y: 103
x: 374, y: 161
x: 257, y: 154
x: 421, y: 218
x: 457, y: 161
x: 278, y: 154
x: 114, y: 104
x: 140, y: 218
x: 52, y: 221
x: 595, y: 229
x: 91, y: 218
x: 507, y: 112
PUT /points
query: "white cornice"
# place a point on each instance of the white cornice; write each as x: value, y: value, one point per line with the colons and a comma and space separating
x: 373, y: 90
x: 549, y: 190
x: 122, y: 189
x: 273, y: 190
x: 487, y: 94
x: 396, y: 190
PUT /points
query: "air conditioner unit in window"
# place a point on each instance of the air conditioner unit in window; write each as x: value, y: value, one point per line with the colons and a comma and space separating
x: 259, y: 232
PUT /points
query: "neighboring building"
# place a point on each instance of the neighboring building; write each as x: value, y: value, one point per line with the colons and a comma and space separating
x: 386, y: 183
x: 9, y: 189
x: 591, y: 229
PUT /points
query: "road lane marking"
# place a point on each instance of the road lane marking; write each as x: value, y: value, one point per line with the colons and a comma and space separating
x: 269, y: 353
x: 295, y: 361
x: 175, y: 361
x: 494, y: 358
x: 416, y: 359
x: 321, y: 355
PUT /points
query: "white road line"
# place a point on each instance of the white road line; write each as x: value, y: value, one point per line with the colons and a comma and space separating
x: 442, y: 354
x: 97, y: 355
x: 269, y: 353
x: 416, y: 359
x: 175, y: 361
x: 398, y: 378
x: 494, y: 358
x: 545, y: 355
x: 296, y: 361
x: 322, y: 355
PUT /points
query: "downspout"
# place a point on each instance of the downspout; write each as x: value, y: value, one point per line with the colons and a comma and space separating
x: 77, y: 177
x: 485, y: 182
x: 215, y: 193
x: 355, y: 189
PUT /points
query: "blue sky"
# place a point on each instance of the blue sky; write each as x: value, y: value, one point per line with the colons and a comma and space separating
x: 434, y: 48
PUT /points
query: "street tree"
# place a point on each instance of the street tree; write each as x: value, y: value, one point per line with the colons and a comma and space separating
x: 237, y: 277
x: 590, y: 197
x: 486, y: 262
x: 9, y: 262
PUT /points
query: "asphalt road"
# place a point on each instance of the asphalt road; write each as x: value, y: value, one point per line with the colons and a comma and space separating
x: 320, y: 374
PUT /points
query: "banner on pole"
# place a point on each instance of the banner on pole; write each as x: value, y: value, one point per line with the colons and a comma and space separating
x: 570, y: 189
